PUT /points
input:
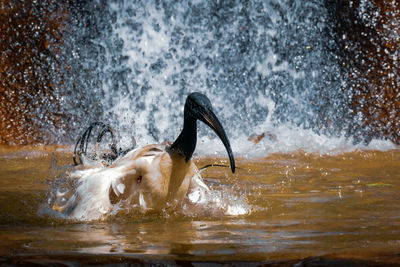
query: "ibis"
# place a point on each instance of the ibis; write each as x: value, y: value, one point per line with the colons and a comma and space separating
x: 153, y: 178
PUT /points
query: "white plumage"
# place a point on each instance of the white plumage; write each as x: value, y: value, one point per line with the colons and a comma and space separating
x: 134, y: 180
x: 152, y: 178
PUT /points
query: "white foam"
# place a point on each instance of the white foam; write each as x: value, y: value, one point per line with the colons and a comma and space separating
x: 288, y: 139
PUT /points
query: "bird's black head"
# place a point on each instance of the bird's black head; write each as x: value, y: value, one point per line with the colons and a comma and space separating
x: 196, y: 105
x: 199, y: 107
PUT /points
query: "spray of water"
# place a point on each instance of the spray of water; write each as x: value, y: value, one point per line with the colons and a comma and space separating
x: 267, y: 66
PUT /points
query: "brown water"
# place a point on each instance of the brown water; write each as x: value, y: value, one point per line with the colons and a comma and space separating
x: 303, y: 208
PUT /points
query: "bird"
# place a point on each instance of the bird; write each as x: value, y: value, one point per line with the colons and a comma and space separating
x: 153, y: 178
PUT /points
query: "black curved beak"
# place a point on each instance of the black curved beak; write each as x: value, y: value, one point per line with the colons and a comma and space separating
x: 210, y: 119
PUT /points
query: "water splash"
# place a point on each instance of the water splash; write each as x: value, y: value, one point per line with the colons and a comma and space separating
x: 93, y: 191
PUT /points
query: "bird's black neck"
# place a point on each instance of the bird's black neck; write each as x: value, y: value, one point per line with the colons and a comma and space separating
x: 185, y: 144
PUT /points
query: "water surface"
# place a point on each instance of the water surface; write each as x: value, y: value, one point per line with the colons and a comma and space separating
x: 301, y: 208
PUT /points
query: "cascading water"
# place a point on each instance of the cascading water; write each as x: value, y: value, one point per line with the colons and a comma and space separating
x: 267, y: 66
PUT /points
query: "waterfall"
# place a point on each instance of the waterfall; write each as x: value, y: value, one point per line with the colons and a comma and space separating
x: 269, y: 67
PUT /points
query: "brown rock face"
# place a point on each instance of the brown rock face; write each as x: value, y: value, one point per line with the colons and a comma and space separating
x: 370, y: 37
x: 29, y: 34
